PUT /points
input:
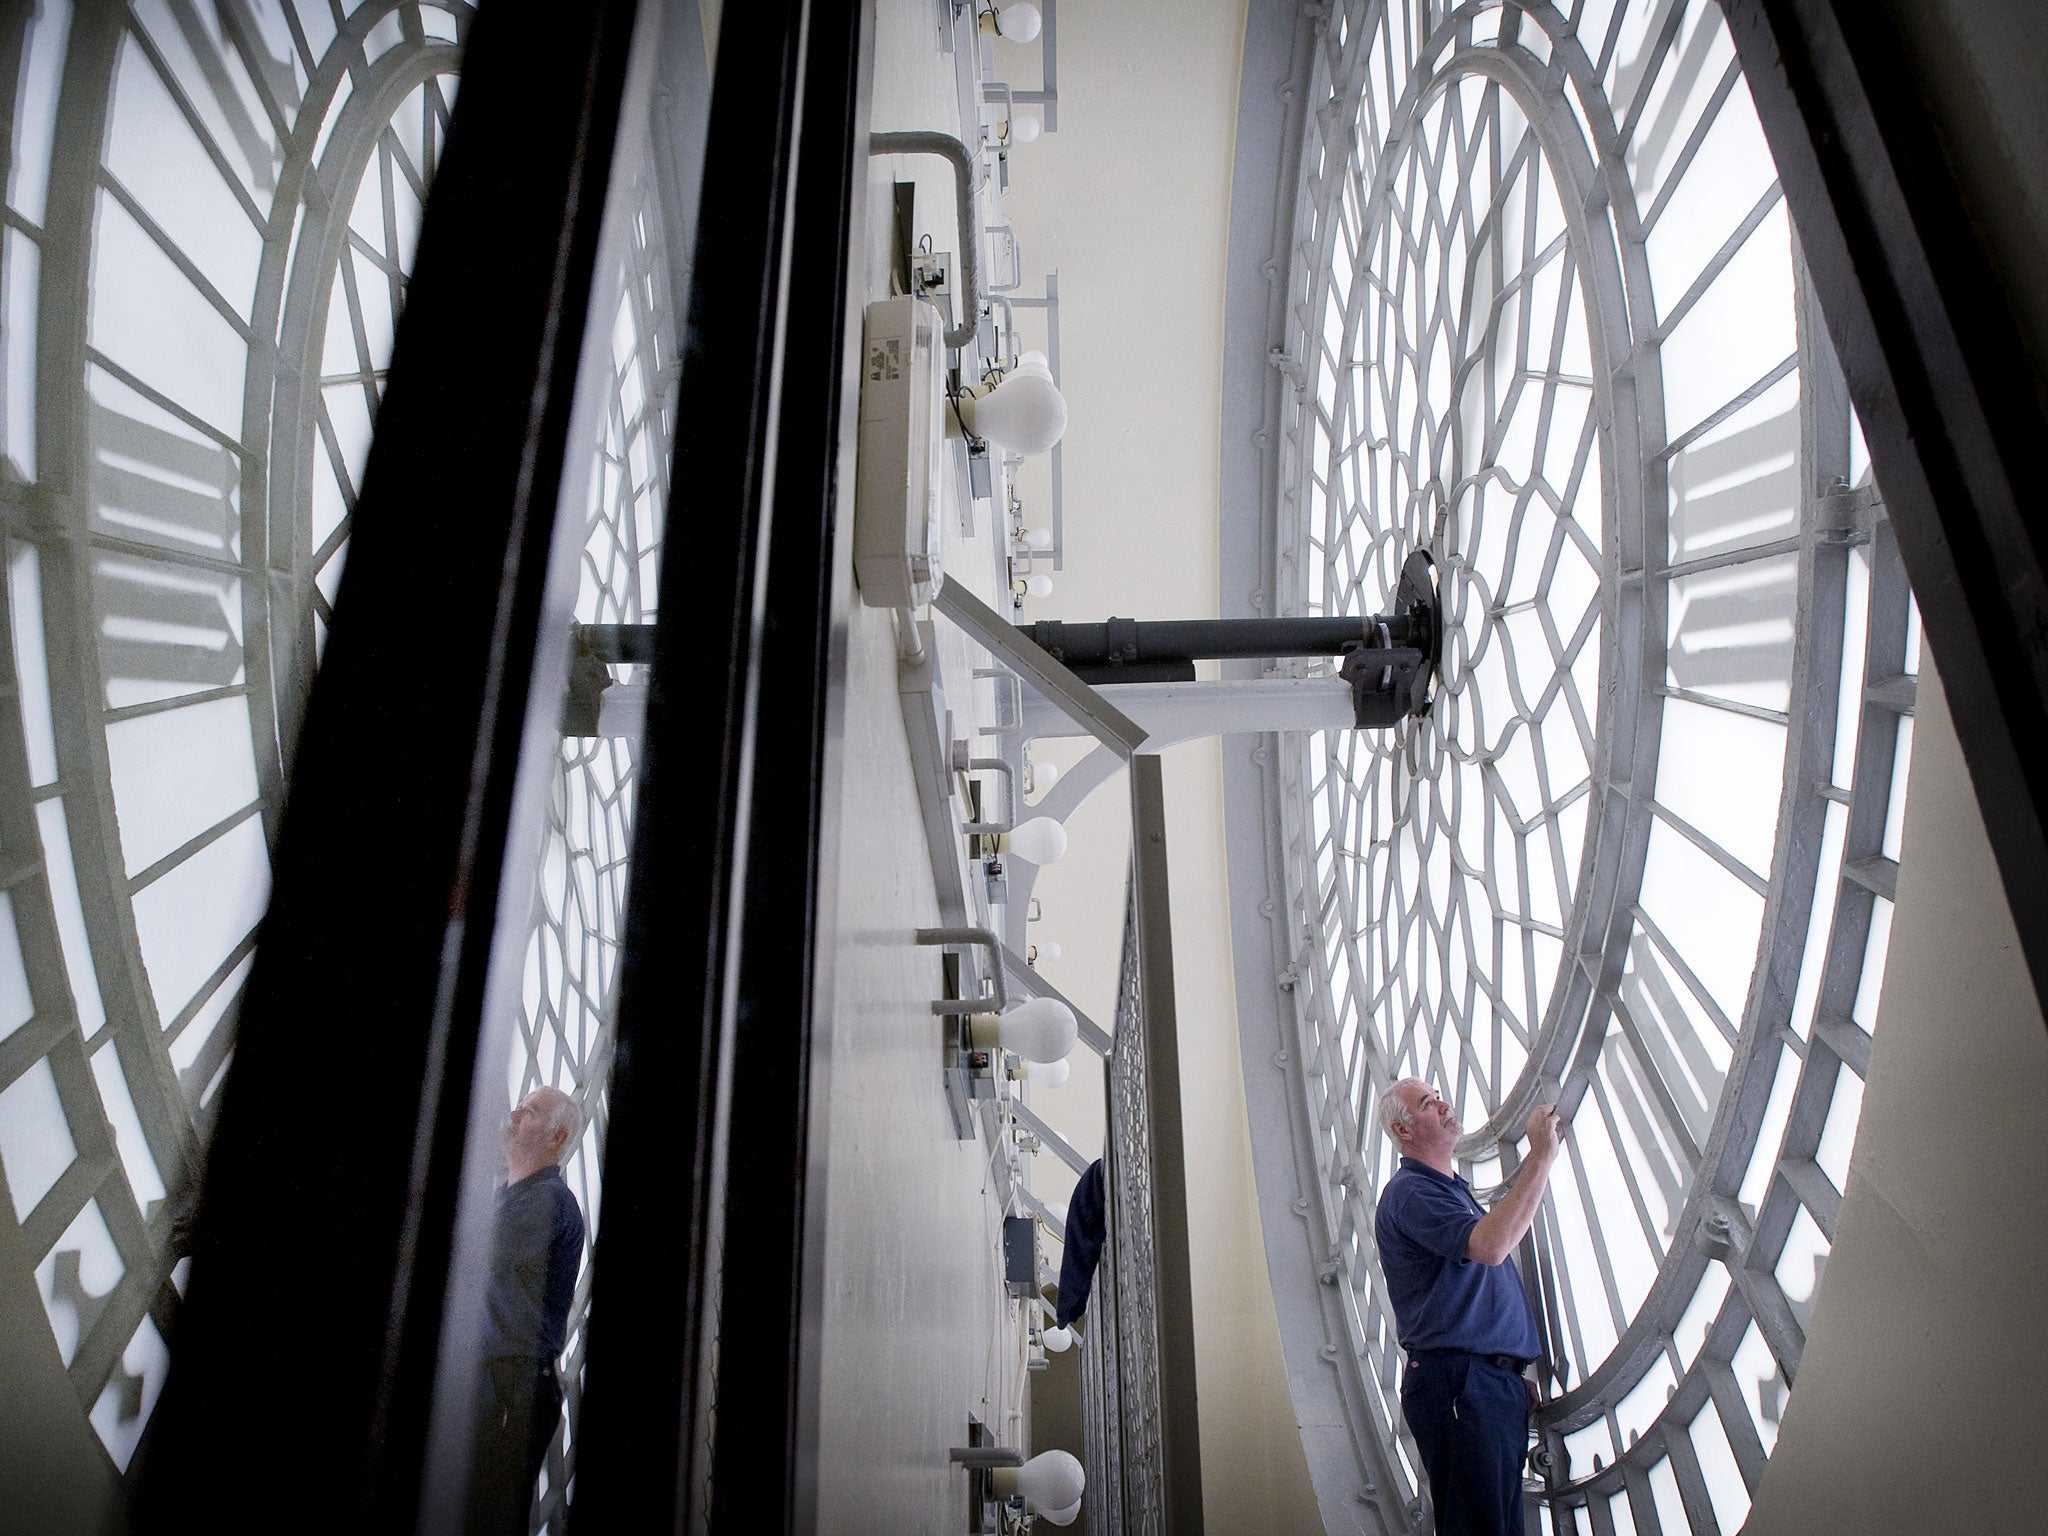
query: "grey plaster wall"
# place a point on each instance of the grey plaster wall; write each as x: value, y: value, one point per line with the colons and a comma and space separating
x: 1919, y: 1406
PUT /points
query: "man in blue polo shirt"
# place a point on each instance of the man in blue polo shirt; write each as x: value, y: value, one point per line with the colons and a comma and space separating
x: 1460, y: 1311
x: 536, y: 1250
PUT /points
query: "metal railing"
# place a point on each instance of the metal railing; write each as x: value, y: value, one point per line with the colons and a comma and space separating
x: 1140, y: 1430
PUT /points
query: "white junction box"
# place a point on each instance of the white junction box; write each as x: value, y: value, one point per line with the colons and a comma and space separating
x: 902, y: 447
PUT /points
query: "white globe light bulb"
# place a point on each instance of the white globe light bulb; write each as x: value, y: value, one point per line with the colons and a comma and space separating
x: 1049, y: 950
x: 1019, y: 22
x: 1026, y: 413
x: 1058, y: 1340
x: 1065, y: 1516
x: 1052, y: 1480
x: 1038, y: 538
x: 1023, y: 130
x: 1049, y: 1074
x: 1038, y: 586
x: 1042, y: 1029
x: 1036, y: 358
x: 1041, y: 840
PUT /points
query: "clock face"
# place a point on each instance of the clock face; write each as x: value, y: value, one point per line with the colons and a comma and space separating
x: 205, y: 254
x: 1551, y: 328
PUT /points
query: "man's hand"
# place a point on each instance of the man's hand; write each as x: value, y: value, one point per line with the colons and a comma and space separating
x: 1546, y: 1131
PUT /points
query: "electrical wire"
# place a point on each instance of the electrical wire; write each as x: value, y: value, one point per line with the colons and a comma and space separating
x: 953, y: 399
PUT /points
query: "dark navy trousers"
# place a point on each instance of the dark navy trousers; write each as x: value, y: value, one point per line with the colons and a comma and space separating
x: 1470, y: 1419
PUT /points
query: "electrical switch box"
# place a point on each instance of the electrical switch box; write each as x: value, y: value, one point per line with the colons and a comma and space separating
x: 1020, y: 1255
x: 931, y: 273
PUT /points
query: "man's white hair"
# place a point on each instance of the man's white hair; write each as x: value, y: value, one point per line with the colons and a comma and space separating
x: 1392, y: 1109
x: 564, y: 1120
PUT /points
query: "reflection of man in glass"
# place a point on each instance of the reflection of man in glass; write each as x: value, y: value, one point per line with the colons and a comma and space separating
x: 1460, y: 1311
x: 536, y: 1246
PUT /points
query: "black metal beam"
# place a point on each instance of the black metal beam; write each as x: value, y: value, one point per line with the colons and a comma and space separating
x: 765, y: 1448
x: 706, y: 1165
x: 1116, y: 641
x: 1131, y: 642
x: 305, y: 1358
x: 1953, y: 406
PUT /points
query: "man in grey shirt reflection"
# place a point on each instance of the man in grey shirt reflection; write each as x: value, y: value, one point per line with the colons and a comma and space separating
x: 536, y: 1249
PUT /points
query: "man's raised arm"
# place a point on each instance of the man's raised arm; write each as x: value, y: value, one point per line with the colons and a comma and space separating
x: 1494, y: 1238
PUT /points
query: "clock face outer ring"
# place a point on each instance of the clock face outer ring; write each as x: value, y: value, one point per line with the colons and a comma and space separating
x: 303, y: 293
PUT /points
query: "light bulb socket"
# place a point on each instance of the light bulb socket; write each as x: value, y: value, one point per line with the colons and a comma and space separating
x: 1051, y: 1480
x: 1025, y: 21
x: 984, y: 1031
x: 1038, y: 1029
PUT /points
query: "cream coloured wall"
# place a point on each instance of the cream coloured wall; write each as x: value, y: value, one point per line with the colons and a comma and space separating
x: 1129, y: 201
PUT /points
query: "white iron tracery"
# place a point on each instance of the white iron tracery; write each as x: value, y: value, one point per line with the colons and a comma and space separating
x: 1547, y: 322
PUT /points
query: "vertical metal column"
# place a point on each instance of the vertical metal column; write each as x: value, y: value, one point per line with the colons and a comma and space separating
x: 709, y: 1163
x: 1173, y: 1263
x: 764, y: 1449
